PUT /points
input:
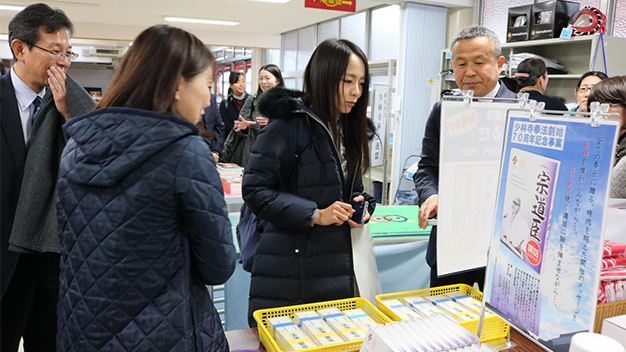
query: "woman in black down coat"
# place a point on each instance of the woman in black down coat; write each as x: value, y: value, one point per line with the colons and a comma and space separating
x: 303, y: 173
x: 141, y: 211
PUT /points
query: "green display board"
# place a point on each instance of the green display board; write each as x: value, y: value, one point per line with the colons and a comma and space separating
x: 396, y: 221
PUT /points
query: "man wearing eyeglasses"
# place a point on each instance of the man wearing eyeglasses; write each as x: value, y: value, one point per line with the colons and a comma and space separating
x: 37, y: 99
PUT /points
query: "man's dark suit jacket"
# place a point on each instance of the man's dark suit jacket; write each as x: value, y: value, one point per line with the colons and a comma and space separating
x: 427, y: 176
x: 13, y: 154
x: 211, y: 121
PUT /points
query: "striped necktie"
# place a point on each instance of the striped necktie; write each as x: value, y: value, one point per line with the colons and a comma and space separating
x: 36, y: 104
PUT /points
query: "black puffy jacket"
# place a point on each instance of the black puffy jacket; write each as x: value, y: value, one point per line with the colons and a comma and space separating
x: 143, y: 228
x: 294, y: 262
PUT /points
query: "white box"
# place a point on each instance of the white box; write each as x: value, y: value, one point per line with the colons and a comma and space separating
x: 615, y: 328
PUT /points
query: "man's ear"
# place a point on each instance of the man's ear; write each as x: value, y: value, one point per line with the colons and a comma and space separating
x: 500, y: 63
x: 18, y: 47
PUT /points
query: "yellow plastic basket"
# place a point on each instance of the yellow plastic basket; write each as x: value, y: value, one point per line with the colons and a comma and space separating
x: 262, y: 315
x: 493, y: 327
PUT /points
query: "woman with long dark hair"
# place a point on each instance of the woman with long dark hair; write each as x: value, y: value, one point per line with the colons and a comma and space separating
x: 141, y: 212
x: 241, y: 139
x: 303, y: 174
x: 532, y: 78
x: 237, y: 96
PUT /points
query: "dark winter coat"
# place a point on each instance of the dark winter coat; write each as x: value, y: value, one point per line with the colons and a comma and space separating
x: 229, y: 111
x: 296, y: 263
x: 143, y: 229
x: 212, y: 122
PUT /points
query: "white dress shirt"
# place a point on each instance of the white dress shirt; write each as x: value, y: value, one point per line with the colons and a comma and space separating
x: 25, y: 97
x: 494, y: 91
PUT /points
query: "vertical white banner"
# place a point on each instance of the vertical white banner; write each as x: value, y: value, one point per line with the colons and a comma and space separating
x: 469, y: 165
x: 380, y: 109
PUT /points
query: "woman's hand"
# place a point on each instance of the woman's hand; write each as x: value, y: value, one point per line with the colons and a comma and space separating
x: 242, y: 124
x: 337, y: 213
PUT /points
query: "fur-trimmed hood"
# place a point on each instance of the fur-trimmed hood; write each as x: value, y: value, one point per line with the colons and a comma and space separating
x: 280, y: 103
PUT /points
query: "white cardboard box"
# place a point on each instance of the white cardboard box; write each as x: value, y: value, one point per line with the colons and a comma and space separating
x: 615, y: 328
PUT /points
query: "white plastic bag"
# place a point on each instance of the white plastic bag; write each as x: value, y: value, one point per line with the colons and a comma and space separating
x: 365, y: 269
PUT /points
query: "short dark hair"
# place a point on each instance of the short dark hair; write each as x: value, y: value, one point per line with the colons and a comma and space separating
x: 234, y: 78
x: 275, y: 71
x: 598, y: 74
x: 475, y: 31
x: 25, y: 25
x: 322, y: 81
x: 529, y: 71
x: 611, y: 90
x: 142, y: 82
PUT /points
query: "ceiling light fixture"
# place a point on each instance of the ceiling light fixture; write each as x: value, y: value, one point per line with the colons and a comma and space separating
x: 11, y: 8
x: 199, y: 20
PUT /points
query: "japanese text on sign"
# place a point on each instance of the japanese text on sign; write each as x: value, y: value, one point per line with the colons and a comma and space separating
x: 537, y: 134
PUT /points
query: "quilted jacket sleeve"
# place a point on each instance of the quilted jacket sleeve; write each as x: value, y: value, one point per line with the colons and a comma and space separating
x: 426, y: 177
x: 203, y: 214
x: 273, y: 156
x: 358, y: 190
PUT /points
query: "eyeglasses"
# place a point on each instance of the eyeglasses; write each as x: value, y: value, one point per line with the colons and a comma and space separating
x: 584, y: 89
x: 59, y: 55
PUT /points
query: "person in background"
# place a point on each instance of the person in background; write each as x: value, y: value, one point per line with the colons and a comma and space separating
x: 141, y: 211
x: 586, y: 82
x: 304, y: 195
x: 532, y: 77
x: 212, y: 128
x: 242, y: 138
x: 232, y: 104
x: 612, y: 91
x: 477, y: 61
x: 38, y: 97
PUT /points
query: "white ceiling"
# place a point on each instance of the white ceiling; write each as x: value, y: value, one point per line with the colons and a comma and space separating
x: 260, y: 25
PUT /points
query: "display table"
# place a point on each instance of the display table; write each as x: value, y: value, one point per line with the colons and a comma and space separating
x: 248, y: 339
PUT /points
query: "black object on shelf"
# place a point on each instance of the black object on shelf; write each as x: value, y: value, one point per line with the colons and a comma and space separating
x: 549, y: 18
x: 518, y: 27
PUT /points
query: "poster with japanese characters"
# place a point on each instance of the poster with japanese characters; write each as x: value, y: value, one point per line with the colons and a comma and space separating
x: 469, y: 165
x: 544, y: 260
x: 379, y: 112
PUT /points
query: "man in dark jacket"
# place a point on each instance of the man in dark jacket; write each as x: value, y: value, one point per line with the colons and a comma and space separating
x: 212, y: 122
x: 37, y: 99
x: 477, y: 61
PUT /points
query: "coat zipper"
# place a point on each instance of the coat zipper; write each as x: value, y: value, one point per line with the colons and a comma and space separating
x: 332, y: 140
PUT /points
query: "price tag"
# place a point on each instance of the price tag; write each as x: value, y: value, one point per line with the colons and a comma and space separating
x: 566, y: 33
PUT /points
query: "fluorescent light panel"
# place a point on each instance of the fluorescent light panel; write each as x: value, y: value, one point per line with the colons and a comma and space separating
x: 275, y: 1
x: 11, y: 8
x: 200, y: 20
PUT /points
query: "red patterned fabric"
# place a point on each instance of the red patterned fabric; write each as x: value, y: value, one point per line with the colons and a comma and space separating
x: 612, y: 291
x: 613, y: 273
x: 614, y: 249
x: 613, y: 263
